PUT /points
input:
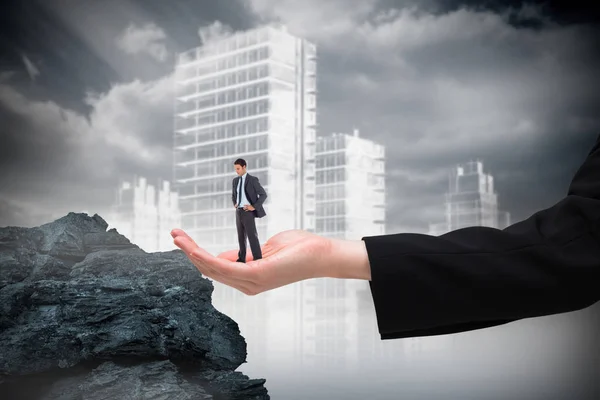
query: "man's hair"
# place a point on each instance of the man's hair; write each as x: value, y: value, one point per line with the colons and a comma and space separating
x: 240, y: 161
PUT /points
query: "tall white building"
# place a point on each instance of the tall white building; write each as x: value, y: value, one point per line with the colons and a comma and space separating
x: 146, y: 215
x: 350, y: 205
x: 250, y: 95
x: 471, y: 201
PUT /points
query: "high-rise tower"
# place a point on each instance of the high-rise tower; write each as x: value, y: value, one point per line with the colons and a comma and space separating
x: 250, y: 95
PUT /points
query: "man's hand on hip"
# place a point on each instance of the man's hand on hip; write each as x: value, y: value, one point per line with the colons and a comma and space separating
x: 249, y: 208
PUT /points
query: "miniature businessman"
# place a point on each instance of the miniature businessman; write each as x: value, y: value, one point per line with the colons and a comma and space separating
x: 248, y: 197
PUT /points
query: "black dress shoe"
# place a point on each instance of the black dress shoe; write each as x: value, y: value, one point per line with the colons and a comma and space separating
x: 242, y: 261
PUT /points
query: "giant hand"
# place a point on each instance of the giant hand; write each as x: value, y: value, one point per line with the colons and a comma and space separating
x: 288, y: 257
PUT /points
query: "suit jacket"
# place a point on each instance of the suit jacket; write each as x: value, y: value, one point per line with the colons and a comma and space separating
x: 481, y: 277
x: 255, y: 194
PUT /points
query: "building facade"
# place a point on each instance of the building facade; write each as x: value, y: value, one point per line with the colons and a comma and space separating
x: 146, y: 215
x: 251, y: 95
x: 471, y: 201
x: 350, y: 187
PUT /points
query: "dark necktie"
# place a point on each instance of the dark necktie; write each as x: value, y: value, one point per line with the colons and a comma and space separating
x: 240, y: 193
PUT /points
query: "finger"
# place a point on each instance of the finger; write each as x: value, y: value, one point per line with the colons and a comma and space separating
x: 188, y: 247
x: 176, y: 232
x: 181, y: 233
x: 185, y: 244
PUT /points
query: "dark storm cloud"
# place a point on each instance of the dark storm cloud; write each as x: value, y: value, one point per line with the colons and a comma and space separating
x: 560, y: 11
x: 67, y: 68
x: 42, y: 162
x: 73, y: 42
x: 62, y: 160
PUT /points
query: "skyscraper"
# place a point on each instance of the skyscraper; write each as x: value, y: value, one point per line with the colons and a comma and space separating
x: 471, y: 201
x: 250, y: 95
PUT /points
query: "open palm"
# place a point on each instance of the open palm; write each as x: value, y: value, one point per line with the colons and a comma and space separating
x: 288, y: 257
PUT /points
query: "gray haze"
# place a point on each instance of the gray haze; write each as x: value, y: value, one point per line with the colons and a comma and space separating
x: 86, y: 97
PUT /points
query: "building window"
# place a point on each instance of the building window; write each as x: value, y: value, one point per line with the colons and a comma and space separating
x: 263, y: 124
x: 251, y: 90
x: 186, y: 206
x: 252, y: 74
x: 252, y: 56
x: 263, y: 106
x: 186, y: 190
x: 263, y: 71
x: 263, y: 142
x: 230, y: 62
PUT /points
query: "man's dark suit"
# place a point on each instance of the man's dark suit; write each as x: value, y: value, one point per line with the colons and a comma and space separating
x: 480, y: 277
x: 246, y: 226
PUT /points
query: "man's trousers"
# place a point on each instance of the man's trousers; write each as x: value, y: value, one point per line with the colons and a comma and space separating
x: 246, y: 228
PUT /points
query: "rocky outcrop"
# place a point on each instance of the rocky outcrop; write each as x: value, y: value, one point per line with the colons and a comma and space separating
x: 84, y: 313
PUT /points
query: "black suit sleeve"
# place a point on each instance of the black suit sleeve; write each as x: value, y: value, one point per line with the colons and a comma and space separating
x: 480, y: 277
x: 260, y: 191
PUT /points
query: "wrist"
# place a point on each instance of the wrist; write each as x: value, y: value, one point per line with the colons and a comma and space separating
x: 348, y: 260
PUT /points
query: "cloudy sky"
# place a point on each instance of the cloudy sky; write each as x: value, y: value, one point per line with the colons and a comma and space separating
x: 86, y: 93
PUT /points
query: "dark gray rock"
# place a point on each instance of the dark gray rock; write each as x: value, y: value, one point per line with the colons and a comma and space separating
x: 156, y: 380
x: 75, y: 297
